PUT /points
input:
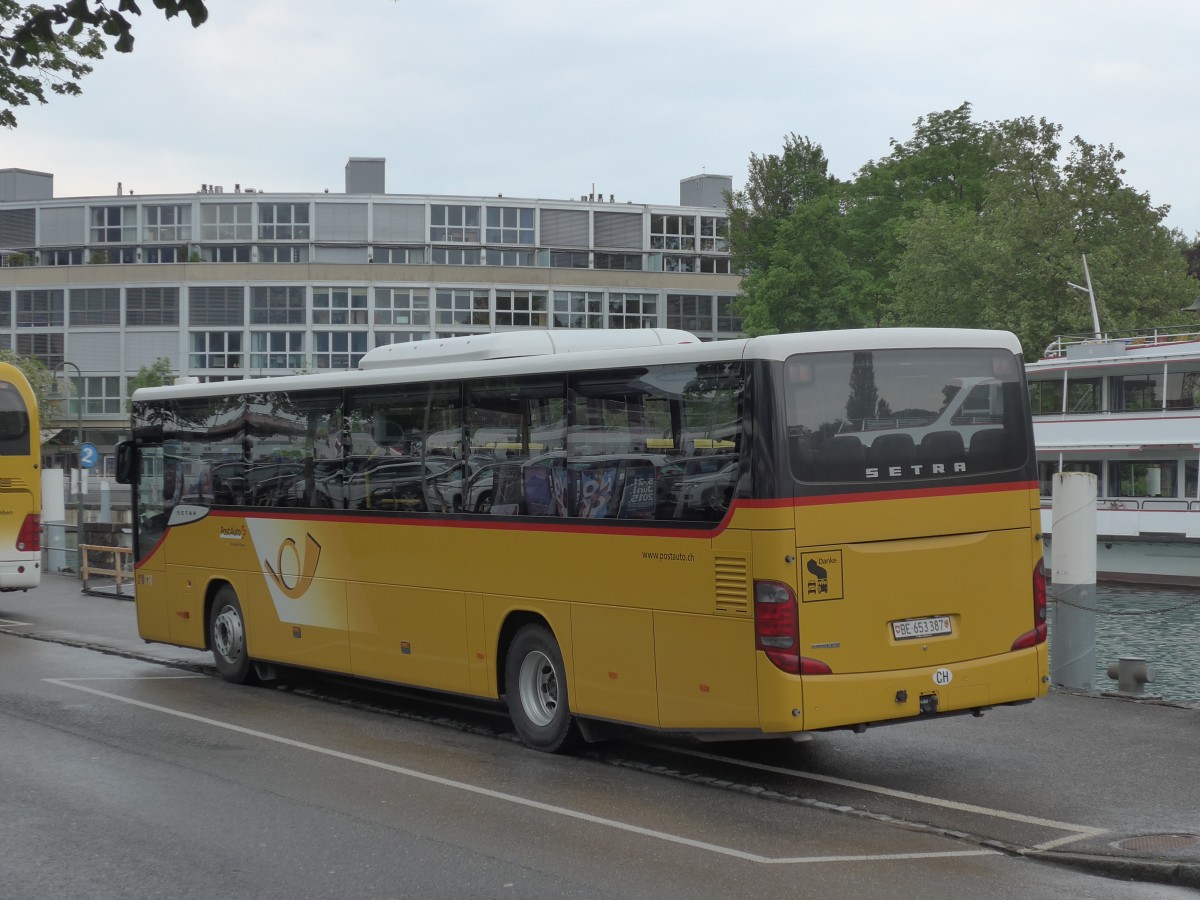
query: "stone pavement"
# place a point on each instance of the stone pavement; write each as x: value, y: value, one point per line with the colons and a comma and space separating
x: 1154, y: 745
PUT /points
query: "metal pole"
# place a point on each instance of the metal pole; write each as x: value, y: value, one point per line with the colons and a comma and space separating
x: 1073, y: 536
x: 1091, y: 295
x: 78, y: 454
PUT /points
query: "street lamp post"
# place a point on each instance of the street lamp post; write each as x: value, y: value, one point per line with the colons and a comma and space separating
x: 78, y: 452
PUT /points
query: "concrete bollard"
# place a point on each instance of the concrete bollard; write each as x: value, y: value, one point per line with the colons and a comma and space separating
x: 1073, y: 635
x: 1131, y: 674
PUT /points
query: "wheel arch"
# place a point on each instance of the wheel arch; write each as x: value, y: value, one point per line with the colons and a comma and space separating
x: 210, y: 596
x: 514, y: 622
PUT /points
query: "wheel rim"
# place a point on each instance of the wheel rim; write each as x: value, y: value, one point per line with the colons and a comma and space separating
x: 539, y: 688
x: 229, y: 637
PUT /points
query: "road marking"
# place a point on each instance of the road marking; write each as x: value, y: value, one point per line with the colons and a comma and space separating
x: 512, y: 798
x: 13, y: 623
x: 1079, y: 832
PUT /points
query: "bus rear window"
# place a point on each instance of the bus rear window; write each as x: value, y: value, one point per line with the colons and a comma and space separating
x: 14, y: 422
x: 881, y: 416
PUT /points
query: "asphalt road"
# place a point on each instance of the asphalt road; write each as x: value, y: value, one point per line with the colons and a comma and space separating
x: 127, y: 778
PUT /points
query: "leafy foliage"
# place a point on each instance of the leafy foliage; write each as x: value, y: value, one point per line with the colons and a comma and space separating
x: 158, y: 373
x: 49, y: 47
x: 965, y: 224
x: 40, y: 378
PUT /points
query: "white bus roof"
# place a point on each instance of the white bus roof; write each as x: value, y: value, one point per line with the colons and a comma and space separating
x: 476, y: 358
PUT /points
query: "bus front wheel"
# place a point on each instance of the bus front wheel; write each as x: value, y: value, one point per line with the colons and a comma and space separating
x: 536, y: 692
x: 227, y: 637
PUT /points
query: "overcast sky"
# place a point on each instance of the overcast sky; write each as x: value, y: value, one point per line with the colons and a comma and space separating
x: 546, y: 98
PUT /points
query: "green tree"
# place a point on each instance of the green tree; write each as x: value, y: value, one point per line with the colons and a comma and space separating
x: 40, y: 378
x: 786, y: 231
x: 969, y: 224
x: 159, y: 372
x: 48, y: 47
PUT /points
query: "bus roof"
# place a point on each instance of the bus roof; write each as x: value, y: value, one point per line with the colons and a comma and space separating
x: 516, y: 353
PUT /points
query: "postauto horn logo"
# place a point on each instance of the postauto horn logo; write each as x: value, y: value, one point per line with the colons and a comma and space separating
x: 294, y: 586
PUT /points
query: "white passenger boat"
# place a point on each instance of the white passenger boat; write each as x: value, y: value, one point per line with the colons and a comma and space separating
x: 1126, y: 407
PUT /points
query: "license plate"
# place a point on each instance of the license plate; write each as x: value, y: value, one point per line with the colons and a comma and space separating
x: 908, y: 629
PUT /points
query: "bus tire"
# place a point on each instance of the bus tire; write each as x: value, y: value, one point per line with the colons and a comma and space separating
x: 227, y: 637
x: 536, y: 692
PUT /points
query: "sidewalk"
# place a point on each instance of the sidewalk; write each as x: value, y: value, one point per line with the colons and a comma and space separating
x: 1130, y: 767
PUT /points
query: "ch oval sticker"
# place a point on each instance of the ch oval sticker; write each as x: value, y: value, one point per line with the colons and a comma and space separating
x: 943, y: 677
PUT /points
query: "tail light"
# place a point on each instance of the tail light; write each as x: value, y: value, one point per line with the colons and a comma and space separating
x: 1038, y: 634
x: 30, y: 537
x: 777, y: 629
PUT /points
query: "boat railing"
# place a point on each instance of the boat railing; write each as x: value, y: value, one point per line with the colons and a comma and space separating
x: 1145, y: 504
x: 1143, y: 337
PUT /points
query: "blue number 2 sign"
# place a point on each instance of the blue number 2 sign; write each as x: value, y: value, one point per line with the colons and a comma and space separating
x: 87, y: 455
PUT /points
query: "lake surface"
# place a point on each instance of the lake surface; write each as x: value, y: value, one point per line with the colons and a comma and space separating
x: 1169, y: 641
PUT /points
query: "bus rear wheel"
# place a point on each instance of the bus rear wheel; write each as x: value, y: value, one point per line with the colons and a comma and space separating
x: 536, y: 692
x: 227, y: 637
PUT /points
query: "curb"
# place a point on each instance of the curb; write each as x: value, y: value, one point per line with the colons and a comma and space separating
x: 1178, y: 874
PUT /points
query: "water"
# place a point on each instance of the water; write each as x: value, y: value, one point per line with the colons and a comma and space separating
x: 1168, y: 641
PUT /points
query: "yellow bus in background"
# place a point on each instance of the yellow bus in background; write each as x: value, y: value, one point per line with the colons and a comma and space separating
x: 759, y: 537
x: 20, y: 483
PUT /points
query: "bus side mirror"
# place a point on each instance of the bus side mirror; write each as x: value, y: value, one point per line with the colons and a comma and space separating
x: 126, y: 463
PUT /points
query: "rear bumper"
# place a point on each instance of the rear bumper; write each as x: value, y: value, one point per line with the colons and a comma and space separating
x: 817, y: 702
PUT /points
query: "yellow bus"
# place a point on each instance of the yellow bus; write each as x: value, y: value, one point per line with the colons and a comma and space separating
x: 20, y: 483
x: 776, y: 535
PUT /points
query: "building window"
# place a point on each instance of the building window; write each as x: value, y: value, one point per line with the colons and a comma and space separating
x: 152, y: 306
x: 690, y: 312
x: 227, y: 254
x: 5, y: 309
x: 338, y: 349
x: 383, y: 338
x: 715, y: 265
x: 578, y: 309
x: 457, y: 256
x: 216, y: 350
x: 401, y: 306
x: 277, y: 305
x: 340, y: 306
x: 282, y: 253
x: 167, y: 223
x: 277, y: 350
x: 164, y: 255
x: 728, y: 322
x: 679, y: 264
x: 113, y: 224
x: 454, y: 224
x: 413, y: 256
x: 48, y: 348
x: 63, y: 256
x: 225, y: 222
x: 672, y: 232
x: 712, y: 234
x: 101, y: 394
x: 95, y: 306
x: 112, y: 256
x: 40, y: 309
x: 568, y: 259
x: 216, y: 305
x: 510, y: 225
x: 497, y: 257
x: 462, y: 307
x: 632, y: 311
x: 629, y: 262
x: 283, y: 221
x: 521, y: 309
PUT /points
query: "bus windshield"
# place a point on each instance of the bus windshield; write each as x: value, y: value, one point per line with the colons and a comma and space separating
x: 904, y: 415
x: 14, y: 421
